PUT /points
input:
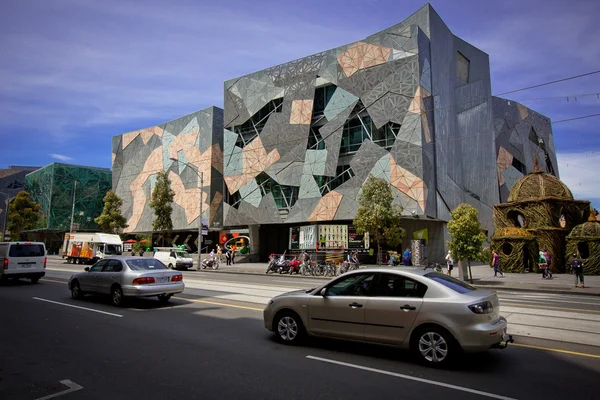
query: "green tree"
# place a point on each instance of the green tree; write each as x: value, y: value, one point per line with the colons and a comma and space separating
x: 378, y: 216
x: 162, y: 204
x: 142, y: 242
x: 23, y: 214
x: 466, y: 234
x: 111, y: 220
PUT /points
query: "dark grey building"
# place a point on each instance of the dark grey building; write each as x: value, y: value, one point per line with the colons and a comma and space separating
x: 411, y: 104
x: 12, y: 181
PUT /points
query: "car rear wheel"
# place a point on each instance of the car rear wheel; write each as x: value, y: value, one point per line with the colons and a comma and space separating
x: 288, y: 327
x: 164, y: 298
x: 76, y: 292
x: 35, y: 280
x: 170, y: 266
x: 116, y: 295
x: 434, y: 346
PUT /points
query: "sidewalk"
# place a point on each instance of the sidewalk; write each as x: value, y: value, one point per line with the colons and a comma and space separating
x: 483, y: 277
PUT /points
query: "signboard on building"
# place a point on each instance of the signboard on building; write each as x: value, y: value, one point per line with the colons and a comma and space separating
x: 357, y: 241
x: 308, y: 237
x: 294, y: 243
x: 333, y: 236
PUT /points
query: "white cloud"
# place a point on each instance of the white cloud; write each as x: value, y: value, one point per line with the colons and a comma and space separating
x: 578, y: 173
x: 61, y: 157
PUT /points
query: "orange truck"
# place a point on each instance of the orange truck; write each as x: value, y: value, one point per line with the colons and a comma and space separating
x: 87, y: 248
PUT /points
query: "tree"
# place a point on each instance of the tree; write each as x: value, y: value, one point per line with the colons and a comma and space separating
x: 23, y: 214
x: 162, y: 204
x: 142, y: 242
x: 111, y: 220
x: 378, y: 216
x: 466, y: 234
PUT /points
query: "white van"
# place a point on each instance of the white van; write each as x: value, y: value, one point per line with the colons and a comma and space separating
x: 22, y: 260
x: 174, y: 257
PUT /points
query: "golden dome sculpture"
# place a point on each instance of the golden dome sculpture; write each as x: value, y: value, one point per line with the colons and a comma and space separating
x: 539, y: 185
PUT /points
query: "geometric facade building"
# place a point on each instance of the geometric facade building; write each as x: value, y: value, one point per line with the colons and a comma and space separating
x: 186, y: 148
x: 411, y: 104
x: 53, y: 187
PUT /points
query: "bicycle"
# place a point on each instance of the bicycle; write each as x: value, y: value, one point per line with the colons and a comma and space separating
x: 434, y: 266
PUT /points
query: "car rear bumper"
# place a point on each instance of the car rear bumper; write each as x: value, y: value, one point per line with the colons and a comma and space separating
x: 23, y: 273
x: 152, y: 290
x: 481, y: 337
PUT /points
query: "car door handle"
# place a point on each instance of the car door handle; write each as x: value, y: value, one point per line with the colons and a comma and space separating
x: 355, y: 305
x: 407, y: 307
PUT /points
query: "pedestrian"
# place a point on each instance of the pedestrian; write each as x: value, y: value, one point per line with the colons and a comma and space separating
x: 142, y: 253
x: 392, y: 261
x: 576, y: 264
x: 233, y: 249
x: 407, y: 257
x: 228, y: 256
x: 543, y: 264
x: 496, y: 264
x: 548, y: 257
x: 449, y: 263
x: 355, y: 258
x: 219, y: 253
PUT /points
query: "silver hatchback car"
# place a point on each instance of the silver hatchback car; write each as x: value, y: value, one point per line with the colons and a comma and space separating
x: 430, y: 313
x: 122, y: 277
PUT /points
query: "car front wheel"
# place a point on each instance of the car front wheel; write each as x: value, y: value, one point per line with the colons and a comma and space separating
x: 289, y: 328
x: 434, y: 346
x: 76, y: 292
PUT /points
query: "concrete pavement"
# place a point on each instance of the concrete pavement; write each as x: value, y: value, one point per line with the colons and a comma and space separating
x: 200, y: 347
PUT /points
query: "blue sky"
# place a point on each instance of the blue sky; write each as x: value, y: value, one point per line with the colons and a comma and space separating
x: 77, y: 72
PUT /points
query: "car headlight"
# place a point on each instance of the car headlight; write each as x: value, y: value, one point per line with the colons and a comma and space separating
x: 484, y: 307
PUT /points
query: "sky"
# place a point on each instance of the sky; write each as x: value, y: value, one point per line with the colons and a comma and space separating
x: 75, y: 73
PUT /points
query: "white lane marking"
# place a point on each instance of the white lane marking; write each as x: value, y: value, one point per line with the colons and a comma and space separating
x: 72, y: 387
x: 412, y: 378
x: 81, y: 308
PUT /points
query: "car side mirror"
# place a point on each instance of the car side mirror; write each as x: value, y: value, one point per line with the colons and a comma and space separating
x: 324, y: 292
x: 87, y: 269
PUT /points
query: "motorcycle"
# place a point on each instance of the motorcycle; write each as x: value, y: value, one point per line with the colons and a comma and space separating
x: 210, y: 263
x: 283, y: 265
x: 295, y: 266
x: 272, y: 266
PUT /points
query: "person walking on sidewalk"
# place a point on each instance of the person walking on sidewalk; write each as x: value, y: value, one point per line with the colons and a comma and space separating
x: 548, y: 258
x: 543, y: 265
x: 577, y: 266
x: 449, y: 263
x: 228, y: 256
x: 496, y: 264
x: 407, y: 257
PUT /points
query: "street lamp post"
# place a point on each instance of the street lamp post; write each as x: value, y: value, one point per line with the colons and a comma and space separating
x: 200, y: 186
x: 72, y: 209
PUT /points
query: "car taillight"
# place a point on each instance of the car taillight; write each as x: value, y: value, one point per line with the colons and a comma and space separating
x: 177, y: 278
x: 6, y: 263
x: 485, y: 307
x: 45, y: 259
x: 143, y: 281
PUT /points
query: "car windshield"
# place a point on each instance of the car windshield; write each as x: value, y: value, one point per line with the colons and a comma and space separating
x: 113, y: 249
x: 182, y: 254
x: 27, y: 250
x: 145, y: 264
x: 450, y: 282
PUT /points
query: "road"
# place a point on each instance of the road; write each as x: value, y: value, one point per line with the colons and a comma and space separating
x: 210, y: 343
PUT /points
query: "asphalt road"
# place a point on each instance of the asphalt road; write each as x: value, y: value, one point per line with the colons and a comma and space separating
x: 200, y: 346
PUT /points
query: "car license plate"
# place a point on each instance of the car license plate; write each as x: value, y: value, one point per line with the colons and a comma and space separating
x: 162, y: 279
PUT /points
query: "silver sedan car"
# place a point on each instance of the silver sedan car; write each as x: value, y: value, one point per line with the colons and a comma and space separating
x: 430, y: 313
x: 122, y: 277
